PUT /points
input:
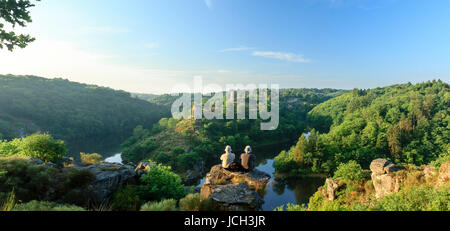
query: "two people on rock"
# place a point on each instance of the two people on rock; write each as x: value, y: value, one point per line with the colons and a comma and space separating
x: 247, y: 160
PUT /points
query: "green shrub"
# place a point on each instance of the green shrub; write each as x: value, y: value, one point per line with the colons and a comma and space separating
x: 125, y: 199
x: 43, y: 183
x: 284, y: 162
x: 90, y: 159
x: 163, y: 158
x: 164, y: 205
x: 350, y: 172
x: 291, y: 207
x: 417, y: 198
x: 79, y: 178
x: 192, y: 202
x: 40, y: 146
x: 45, y: 206
x: 160, y: 183
x: 29, y: 181
x: 442, y: 159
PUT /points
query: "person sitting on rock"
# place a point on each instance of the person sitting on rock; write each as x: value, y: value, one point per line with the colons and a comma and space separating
x: 248, y: 160
x: 227, y: 158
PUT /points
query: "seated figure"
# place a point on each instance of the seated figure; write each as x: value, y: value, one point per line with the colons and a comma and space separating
x: 248, y: 160
x: 227, y: 158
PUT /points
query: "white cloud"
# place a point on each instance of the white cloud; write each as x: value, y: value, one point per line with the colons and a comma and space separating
x: 242, y: 48
x: 296, y: 58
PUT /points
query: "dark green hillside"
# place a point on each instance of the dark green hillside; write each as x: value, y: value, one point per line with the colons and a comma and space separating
x: 146, y: 97
x: 404, y: 123
x: 70, y: 111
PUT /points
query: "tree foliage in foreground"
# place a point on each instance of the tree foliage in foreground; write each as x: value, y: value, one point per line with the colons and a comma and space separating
x: 15, y: 13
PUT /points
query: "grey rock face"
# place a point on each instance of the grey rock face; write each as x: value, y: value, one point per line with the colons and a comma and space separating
x: 384, y: 182
x: 238, y: 196
x: 108, y: 178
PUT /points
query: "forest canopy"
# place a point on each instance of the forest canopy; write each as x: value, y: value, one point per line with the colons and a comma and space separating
x: 404, y: 123
x: 185, y: 144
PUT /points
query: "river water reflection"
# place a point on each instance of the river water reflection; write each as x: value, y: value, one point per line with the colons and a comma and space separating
x: 279, y: 191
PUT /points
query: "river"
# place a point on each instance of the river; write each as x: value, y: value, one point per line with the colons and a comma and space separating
x: 279, y: 191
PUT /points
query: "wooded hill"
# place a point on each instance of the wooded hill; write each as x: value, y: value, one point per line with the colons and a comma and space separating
x: 70, y: 111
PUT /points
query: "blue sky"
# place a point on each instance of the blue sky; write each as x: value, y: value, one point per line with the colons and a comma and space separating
x: 149, y: 45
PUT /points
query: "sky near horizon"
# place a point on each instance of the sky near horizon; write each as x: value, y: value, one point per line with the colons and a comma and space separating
x: 147, y: 46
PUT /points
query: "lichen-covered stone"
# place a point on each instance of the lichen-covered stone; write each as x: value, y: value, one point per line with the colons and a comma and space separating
x: 382, y: 166
x: 383, y: 180
x: 429, y: 171
x: 444, y: 174
x: 237, y: 196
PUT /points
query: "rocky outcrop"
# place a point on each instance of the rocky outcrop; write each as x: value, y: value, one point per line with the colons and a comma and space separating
x: 429, y: 171
x: 382, y: 166
x: 234, y: 197
x: 332, y: 187
x: 383, y: 180
x: 235, y: 190
x: 444, y: 174
x: 255, y: 179
x: 108, y: 178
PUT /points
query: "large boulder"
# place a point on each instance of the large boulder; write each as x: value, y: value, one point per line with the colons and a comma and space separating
x: 108, y: 178
x: 235, y: 190
x: 235, y: 197
x: 255, y: 179
x: 429, y: 171
x: 384, y: 181
x: 385, y: 184
x: 444, y: 174
x: 382, y: 166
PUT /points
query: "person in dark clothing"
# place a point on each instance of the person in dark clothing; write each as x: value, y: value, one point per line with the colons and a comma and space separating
x: 248, y: 160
